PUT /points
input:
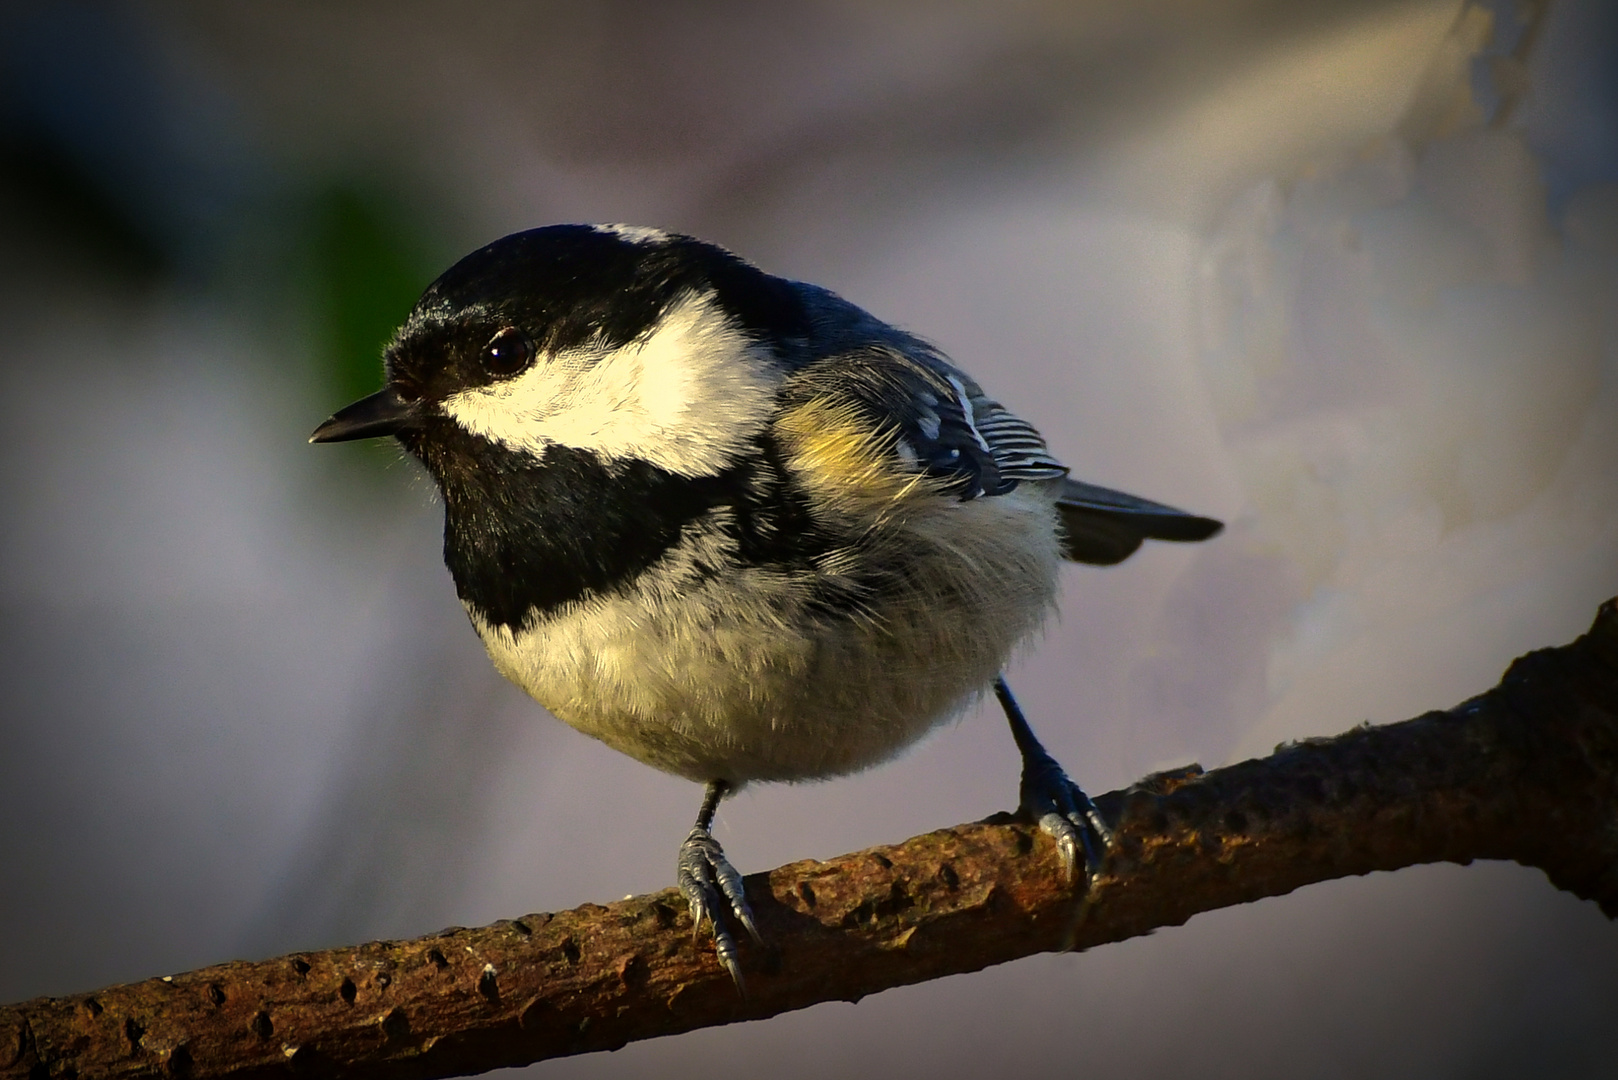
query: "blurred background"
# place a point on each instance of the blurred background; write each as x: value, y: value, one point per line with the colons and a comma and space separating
x: 1342, y: 273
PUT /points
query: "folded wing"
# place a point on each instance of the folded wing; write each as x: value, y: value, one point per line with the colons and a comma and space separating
x: 948, y: 427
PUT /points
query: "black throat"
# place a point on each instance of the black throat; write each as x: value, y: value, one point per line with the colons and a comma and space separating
x: 523, y: 537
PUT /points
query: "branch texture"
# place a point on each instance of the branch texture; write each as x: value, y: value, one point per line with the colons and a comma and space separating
x: 1526, y: 772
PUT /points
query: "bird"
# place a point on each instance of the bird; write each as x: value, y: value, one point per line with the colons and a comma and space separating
x: 733, y: 525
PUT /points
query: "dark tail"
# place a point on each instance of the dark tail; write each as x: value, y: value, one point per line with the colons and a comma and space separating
x: 1102, y: 527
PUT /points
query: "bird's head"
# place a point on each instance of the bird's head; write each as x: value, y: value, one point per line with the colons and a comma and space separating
x: 628, y: 344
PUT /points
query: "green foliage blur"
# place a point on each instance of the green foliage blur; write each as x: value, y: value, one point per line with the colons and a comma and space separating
x: 367, y: 264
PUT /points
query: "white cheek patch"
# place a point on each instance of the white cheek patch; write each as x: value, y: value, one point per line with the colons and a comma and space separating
x: 688, y: 397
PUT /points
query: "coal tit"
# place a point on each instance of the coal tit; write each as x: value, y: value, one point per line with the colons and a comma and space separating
x: 732, y: 525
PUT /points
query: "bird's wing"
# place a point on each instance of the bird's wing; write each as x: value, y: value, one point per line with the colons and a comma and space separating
x: 937, y: 417
x: 941, y: 421
x: 1102, y: 526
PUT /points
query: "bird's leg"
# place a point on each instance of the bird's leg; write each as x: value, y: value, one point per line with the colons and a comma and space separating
x: 710, y: 884
x: 1059, y: 805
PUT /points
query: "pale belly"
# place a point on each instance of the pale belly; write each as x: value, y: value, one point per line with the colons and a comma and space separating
x: 737, y: 678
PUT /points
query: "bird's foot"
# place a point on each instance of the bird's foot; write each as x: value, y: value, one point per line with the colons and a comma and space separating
x: 710, y: 885
x: 1066, y: 813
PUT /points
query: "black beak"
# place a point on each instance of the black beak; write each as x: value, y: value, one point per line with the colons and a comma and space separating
x: 383, y: 413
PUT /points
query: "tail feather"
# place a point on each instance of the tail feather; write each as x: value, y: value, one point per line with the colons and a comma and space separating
x: 1102, y: 527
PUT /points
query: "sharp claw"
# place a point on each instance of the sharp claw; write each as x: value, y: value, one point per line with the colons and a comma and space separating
x: 1070, y: 860
x: 710, y: 884
x: 1067, y: 815
x: 1092, y: 858
x: 735, y: 970
x: 730, y: 883
x: 746, y: 918
x: 1061, y: 830
x: 744, y: 915
x: 725, y: 946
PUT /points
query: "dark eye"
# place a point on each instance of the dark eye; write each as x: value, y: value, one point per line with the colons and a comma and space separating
x: 507, y: 353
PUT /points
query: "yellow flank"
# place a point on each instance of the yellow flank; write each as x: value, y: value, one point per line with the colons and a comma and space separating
x: 850, y: 469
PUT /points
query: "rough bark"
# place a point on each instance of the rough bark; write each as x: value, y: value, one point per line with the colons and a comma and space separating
x: 1527, y: 772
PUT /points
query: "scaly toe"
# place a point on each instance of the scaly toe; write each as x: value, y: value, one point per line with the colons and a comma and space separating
x: 1067, y: 815
x: 710, y: 885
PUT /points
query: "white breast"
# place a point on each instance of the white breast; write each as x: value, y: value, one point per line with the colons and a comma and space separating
x: 735, y: 677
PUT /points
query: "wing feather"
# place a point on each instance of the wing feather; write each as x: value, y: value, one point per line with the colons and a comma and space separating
x: 940, y: 422
x: 955, y: 432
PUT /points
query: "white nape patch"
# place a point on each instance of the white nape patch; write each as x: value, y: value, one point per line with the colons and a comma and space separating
x: 634, y: 234
x: 688, y: 396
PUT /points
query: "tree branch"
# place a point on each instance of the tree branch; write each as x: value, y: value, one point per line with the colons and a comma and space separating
x: 1527, y: 772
